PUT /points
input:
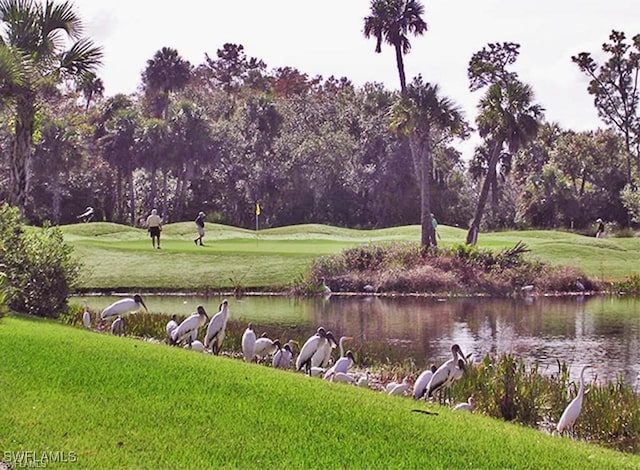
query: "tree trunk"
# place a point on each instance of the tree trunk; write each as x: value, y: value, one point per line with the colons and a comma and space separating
x: 132, y: 200
x: 421, y: 154
x: 20, y: 157
x: 400, y: 63
x: 474, y: 229
x: 153, y: 189
x: 56, y: 198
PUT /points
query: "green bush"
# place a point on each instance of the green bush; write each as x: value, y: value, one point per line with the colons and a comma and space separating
x: 3, y: 294
x: 39, y: 267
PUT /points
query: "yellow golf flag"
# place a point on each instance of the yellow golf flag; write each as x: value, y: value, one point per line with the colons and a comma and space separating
x: 257, y: 209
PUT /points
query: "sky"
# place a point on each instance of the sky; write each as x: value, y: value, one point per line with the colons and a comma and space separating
x: 325, y: 38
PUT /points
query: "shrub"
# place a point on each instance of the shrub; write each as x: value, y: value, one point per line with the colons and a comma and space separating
x: 39, y: 266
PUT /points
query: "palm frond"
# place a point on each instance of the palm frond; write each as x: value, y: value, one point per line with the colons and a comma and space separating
x: 83, y: 57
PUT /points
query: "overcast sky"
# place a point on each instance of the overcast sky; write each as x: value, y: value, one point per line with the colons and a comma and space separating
x: 325, y: 38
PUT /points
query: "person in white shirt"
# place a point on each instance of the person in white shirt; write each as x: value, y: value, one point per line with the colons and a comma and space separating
x: 154, y: 226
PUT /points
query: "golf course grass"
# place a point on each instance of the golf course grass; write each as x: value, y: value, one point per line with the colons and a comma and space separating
x: 114, y: 402
x: 118, y: 257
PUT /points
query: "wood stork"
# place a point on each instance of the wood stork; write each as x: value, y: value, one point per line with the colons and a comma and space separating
x: 123, y: 306
x: 309, y: 349
x: 343, y: 377
x: 401, y: 388
x: 282, y: 357
x: 249, y: 343
x: 188, y: 329
x: 217, y: 328
x: 265, y: 346
x: 572, y: 411
x: 420, y: 387
x: 86, y: 318
x: 443, y: 376
x: 117, y: 327
x: 171, y: 325
x: 342, y: 365
x: 322, y: 356
x: 469, y: 405
x: 195, y: 346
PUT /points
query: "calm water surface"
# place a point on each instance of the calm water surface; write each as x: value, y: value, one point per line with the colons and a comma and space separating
x: 599, y: 330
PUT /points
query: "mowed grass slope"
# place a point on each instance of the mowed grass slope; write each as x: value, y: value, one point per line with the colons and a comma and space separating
x: 121, y: 257
x: 123, y: 403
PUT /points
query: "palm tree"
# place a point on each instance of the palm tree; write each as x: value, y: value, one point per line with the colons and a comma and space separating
x: 165, y: 72
x: 392, y: 21
x: 34, y: 58
x: 508, y: 118
x: 429, y: 120
x: 91, y: 88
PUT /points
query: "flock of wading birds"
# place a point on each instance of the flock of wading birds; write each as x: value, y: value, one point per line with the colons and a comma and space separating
x: 314, y: 357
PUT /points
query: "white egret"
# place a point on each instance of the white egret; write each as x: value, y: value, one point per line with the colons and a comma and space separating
x: 401, y: 388
x: 171, y: 325
x: 469, y: 405
x: 443, y: 376
x: 309, y: 349
x: 265, y: 346
x: 420, y: 387
x: 123, y: 306
x: 117, y: 327
x: 572, y: 411
x: 188, y: 329
x: 324, y: 288
x: 248, y: 343
x: 341, y: 366
x: 322, y: 356
x: 217, y: 328
x: 282, y: 357
x: 86, y: 318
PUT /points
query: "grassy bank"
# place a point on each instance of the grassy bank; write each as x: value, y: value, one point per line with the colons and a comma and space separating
x: 123, y: 403
x: 120, y: 257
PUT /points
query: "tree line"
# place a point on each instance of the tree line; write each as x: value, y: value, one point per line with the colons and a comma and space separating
x: 230, y: 132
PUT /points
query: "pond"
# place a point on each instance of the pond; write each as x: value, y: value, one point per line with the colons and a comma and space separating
x: 603, y: 331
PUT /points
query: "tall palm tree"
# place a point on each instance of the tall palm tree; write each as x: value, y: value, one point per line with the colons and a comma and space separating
x: 165, y: 72
x: 392, y: 21
x: 32, y: 46
x: 508, y: 118
x: 428, y: 120
x: 91, y: 88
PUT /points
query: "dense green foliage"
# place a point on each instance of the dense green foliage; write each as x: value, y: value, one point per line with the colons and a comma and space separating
x: 39, y: 267
x: 123, y: 403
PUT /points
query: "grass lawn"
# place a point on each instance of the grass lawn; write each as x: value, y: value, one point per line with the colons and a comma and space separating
x: 121, y: 258
x: 123, y: 403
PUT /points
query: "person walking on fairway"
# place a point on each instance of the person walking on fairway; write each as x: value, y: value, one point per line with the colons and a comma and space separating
x: 154, y: 226
x: 200, y: 227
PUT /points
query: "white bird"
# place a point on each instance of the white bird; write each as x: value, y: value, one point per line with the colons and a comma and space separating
x: 317, y: 371
x: 195, y: 346
x: 265, y: 346
x: 363, y: 381
x: 443, y: 376
x: 171, y: 325
x: 322, y: 356
x: 528, y: 289
x: 248, y: 343
x: 324, y: 288
x: 188, y: 329
x: 580, y: 286
x: 217, y: 328
x: 282, y: 357
x: 309, y: 349
x: 401, y: 388
x: 117, y: 327
x: 343, y: 377
x: 571, y: 412
x: 420, y: 387
x: 86, y: 318
x: 341, y: 366
x: 469, y: 405
x: 123, y: 306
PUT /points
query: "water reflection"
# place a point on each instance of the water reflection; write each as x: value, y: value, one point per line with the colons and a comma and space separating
x: 599, y: 330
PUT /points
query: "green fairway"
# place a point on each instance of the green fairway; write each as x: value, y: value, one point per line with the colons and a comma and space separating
x: 115, y: 402
x: 121, y: 257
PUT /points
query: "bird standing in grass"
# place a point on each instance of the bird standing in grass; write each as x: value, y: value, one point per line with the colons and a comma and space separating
x: 171, y: 325
x: 217, y: 328
x: 117, y: 327
x: 123, y: 306
x: 420, y: 387
x: 322, y: 356
x: 444, y: 376
x: 265, y: 346
x: 282, y: 357
x: 249, y: 343
x: 572, y: 411
x: 309, y: 349
x: 86, y: 318
x: 341, y: 366
x: 189, y: 327
x: 469, y: 405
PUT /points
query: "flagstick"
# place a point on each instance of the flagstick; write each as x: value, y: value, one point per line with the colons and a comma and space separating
x: 257, y: 235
